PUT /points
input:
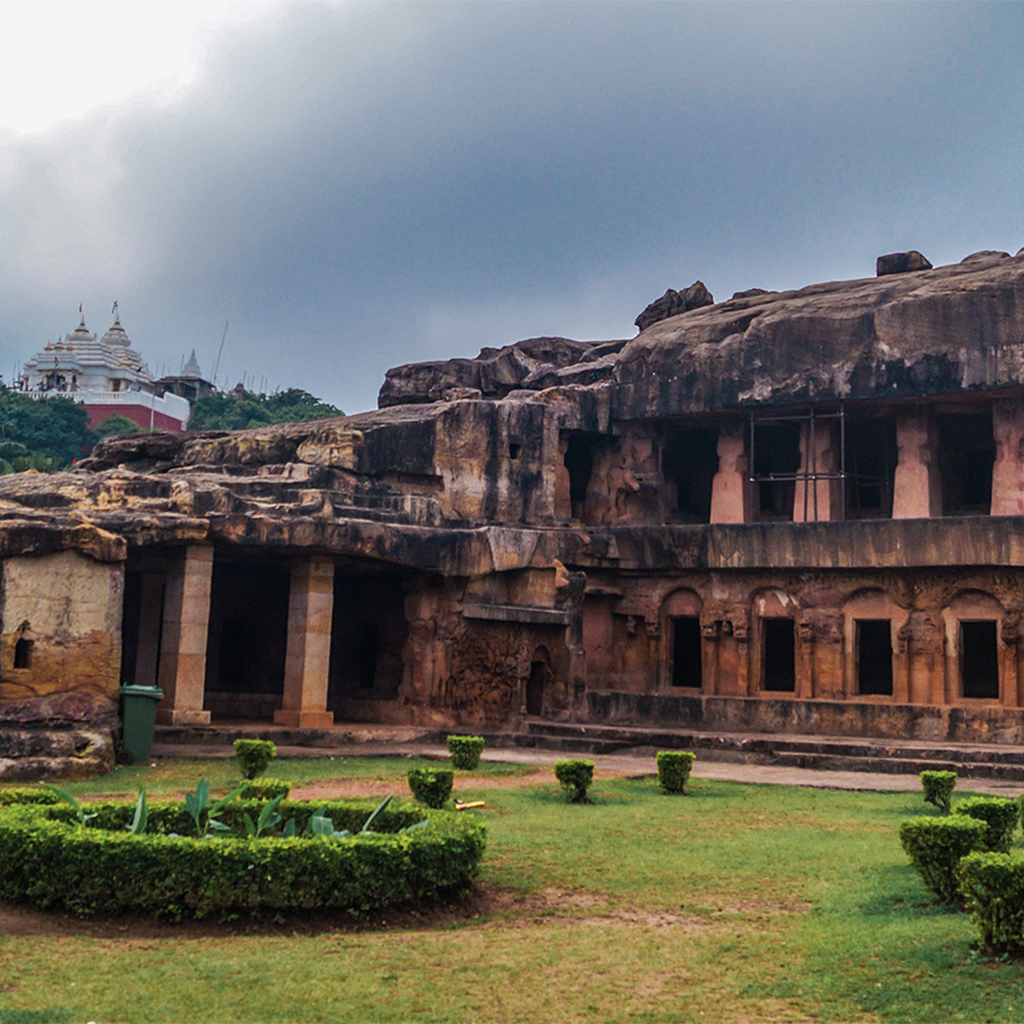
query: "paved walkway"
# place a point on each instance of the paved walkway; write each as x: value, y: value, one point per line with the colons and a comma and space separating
x: 639, y: 761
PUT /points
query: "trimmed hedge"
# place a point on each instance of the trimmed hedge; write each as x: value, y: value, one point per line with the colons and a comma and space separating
x: 938, y: 788
x: 674, y: 769
x: 1000, y: 816
x: 993, y: 887
x: 28, y: 795
x: 576, y: 777
x: 431, y: 786
x: 935, y: 846
x: 265, y: 789
x: 465, y: 751
x: 254, y: 756
x: 48, y: 859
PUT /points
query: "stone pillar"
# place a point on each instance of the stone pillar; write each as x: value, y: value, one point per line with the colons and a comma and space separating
x: 803, y: 684
x: 308, y: 655
x: 182, y: 672
x: 817, y: 500
x: 151, y: 601
x: 1009, y: 636
x: 730, y: 489
x: 916, y: 489
x: 1008, y: 471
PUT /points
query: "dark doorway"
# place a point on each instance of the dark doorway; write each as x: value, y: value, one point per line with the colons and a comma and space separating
x: 368, y: 633
x: 779, y: 654
x: 871, y: 456
x: 579, y: 461
x: 967, y: 453
x: 536, y: 687
x: 979, y: 659
x: 776, y: 463
x: 686, y: 652
x: 689, y: 462
x: 874, y: 657
x: 248, y: 639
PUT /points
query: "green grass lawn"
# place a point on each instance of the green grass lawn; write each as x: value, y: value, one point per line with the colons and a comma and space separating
x: 732, y: 903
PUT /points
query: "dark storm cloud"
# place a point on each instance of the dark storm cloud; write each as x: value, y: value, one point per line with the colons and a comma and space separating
x: 356, y: 186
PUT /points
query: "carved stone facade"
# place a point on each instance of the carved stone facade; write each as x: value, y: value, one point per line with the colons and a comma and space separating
x: 798, y: 511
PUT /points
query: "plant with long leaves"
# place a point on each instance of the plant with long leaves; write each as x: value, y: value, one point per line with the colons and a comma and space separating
x: 269, y: 817
x: 205, y: 814
x: 321, y: 825
x: 83, y: 818
x: 141, y: 819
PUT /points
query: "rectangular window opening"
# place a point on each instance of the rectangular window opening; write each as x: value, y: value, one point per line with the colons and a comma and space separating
x: 779, y: 655
x: 874, y: 657
x: 979, y: 659
x: 686, y: 659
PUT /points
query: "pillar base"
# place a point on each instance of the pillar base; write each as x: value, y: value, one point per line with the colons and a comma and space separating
x: 180, y: 716
x: 304, y: 719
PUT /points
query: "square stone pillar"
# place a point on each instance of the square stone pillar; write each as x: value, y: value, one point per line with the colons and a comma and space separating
x: 308, y: 657
x: 182, y: 670
x: 1008, y: 471
x: 730, y: 489
x: 916, y: 490
x: 817, y: 500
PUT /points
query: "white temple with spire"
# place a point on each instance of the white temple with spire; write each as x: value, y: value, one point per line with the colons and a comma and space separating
x: 107, y: 375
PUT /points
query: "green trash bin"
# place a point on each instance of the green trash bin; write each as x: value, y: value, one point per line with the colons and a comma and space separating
x: 138, y: 720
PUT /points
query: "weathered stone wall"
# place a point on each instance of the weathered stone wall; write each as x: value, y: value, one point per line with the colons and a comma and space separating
x: 60, y: 656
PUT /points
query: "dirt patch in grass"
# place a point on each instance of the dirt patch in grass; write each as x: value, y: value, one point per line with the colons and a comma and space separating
x: 510, y: 907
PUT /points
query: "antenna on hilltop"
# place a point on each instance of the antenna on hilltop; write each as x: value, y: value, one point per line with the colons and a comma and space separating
x: 220, y: 351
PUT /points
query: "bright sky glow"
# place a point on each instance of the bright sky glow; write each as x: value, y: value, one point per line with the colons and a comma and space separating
x: 64, y: 59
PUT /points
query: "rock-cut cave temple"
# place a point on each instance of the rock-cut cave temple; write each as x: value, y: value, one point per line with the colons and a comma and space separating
x: 791, y: 511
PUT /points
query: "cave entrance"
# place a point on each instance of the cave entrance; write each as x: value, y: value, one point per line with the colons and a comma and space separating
x: 979, y: 658
x: 368, y: 634
x: 967, y: 453
x: 874, y: 656
x: 538, y: 683
x: 689, y: 463
x: 778, y: 653
x: 686, y: 652
x: 870, y: 455
x: 247, y: 640
x: 581, y: 447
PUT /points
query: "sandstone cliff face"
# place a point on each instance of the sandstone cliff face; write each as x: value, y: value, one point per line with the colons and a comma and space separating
x: 935, y: 331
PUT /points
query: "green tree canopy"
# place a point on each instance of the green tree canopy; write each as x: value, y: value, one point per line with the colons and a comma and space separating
x: 116, y: 424
x: 231, y: 411
x: 52, y: 428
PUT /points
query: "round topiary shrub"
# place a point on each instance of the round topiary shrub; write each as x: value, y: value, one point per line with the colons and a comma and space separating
x: 431, y: 786
x: 576, y: 776
x: 674, y: 769
x: 935, y: 846
x: 254, y: 756
x: 412, y: 855
x: 938, y: 788
x: 1000, y: 816
x: 465, y: 751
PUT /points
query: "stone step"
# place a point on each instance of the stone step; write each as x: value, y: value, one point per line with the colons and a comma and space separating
x: 822, y: 753
x: 898, y: 765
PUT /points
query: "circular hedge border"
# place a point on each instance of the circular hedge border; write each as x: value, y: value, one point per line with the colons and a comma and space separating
x: 48, y: 858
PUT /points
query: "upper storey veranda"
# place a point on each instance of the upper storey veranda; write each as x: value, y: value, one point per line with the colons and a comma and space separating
x: 897, y: 397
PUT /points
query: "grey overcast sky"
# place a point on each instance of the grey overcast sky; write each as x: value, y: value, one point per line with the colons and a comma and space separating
x: 359, y: 185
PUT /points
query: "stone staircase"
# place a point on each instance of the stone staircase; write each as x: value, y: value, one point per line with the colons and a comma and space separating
x: 817, y: 753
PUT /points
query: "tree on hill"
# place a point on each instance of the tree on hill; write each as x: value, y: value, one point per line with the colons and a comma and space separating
x: 48, y: 433
x: 116, y: 424
x: 240, y: 410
